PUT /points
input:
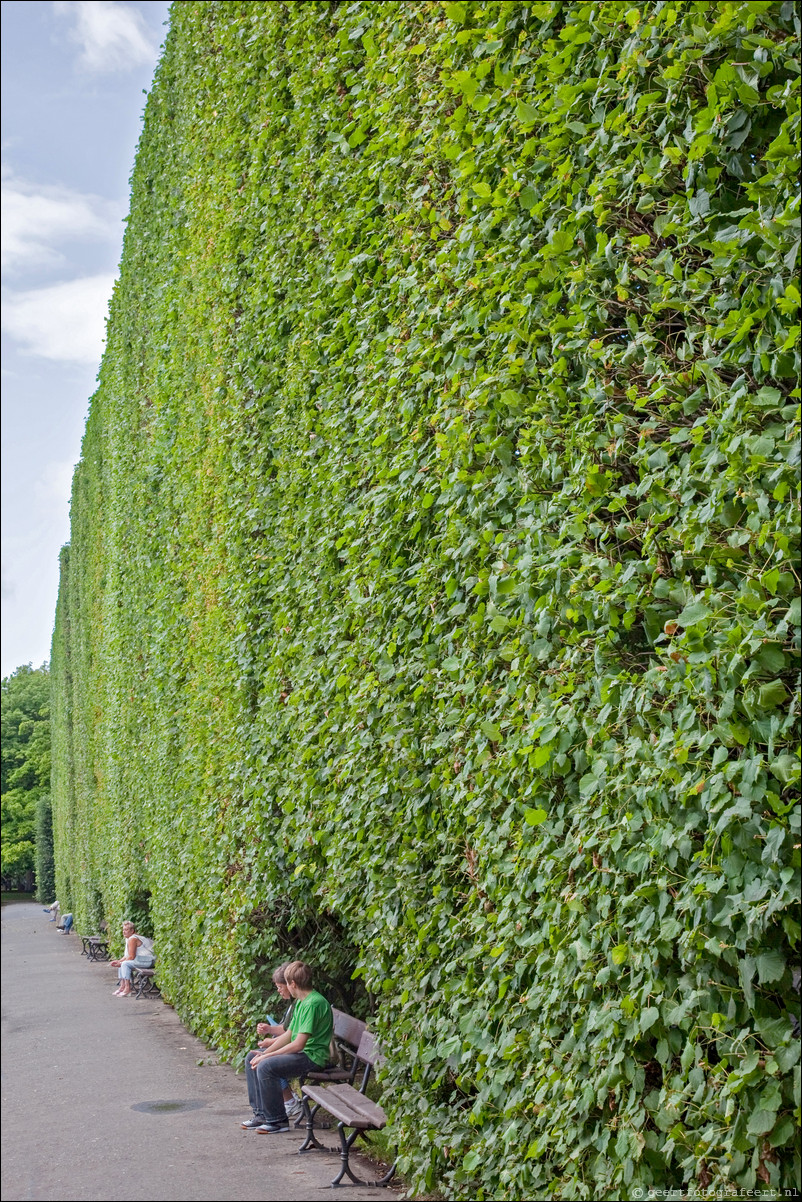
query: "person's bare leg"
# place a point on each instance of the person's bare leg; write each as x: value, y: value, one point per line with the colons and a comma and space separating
x: 125, y: 986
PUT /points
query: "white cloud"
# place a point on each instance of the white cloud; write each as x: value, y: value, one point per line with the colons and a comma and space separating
x: 64, y: 321
x: 112, y: 36
x: 54, y: 487
x: 35, y: 216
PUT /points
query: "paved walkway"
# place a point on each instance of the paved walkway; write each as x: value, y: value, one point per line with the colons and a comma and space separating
x: 81, y: 1072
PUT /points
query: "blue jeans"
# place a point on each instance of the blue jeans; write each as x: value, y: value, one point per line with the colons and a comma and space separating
x: 250, y: 1077
x: 267, y: 1082
x: 125, y: 971
x: 253, y: 1085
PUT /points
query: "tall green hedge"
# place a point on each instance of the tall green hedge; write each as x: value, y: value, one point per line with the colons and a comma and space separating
x: 431, y: 606
x: 27, y: 851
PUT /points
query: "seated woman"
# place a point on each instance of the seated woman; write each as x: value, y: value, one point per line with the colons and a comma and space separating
x: 138, y: 954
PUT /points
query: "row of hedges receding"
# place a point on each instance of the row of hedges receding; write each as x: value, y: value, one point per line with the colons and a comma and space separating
x: 431, y: 608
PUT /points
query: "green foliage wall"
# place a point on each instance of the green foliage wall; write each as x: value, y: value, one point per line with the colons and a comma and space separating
x: 431, y: 605
x: 27, y: 849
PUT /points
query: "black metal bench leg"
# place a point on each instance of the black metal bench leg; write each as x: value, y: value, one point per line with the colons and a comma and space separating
x: 388, y: 1176
x: 345, y: 1149
x: 311, y: 1142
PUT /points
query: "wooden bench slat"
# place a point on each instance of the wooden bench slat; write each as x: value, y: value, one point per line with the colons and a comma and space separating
x: 347, y: 1028
x: 348, y: 1105
x: 329, y: 1074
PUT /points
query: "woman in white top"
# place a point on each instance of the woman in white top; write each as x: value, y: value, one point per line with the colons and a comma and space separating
x: 138, y: 954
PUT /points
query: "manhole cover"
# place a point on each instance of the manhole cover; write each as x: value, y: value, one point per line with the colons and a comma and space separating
x: 168, y: 1107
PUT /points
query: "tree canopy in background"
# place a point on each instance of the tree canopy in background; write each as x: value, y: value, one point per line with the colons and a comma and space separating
x: 431, y: 608
x: 25, y: 777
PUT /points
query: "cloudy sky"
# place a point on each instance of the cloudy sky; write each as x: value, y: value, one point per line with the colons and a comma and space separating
x: 73, y: 81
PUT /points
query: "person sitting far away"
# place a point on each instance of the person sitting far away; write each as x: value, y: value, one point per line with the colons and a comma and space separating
x: 54, y: 912
x: 301, y: 1050
x: 138, y: 954
x: 269, y: 1030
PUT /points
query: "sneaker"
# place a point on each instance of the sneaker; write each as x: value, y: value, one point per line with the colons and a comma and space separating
x: 252, y: 1124
x: 294, y: 1109
x: 273, y: 1128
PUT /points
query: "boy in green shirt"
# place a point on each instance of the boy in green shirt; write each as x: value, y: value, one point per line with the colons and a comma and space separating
x: 301, y: 1050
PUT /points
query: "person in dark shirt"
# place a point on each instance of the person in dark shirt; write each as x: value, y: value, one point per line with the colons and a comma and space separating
x: 298, y: 1051
x: 268, y: 1031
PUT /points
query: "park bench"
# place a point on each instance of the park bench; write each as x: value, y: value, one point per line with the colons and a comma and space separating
x: 95, y: 947
x: 144, y: 981
x: 353, y: 1110
x: 345, y: 1041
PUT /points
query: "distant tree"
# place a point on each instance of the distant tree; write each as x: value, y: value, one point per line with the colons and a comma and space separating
x: 25, y: 780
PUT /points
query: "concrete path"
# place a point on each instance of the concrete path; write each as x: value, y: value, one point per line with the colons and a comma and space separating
x: 104, y: 1099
